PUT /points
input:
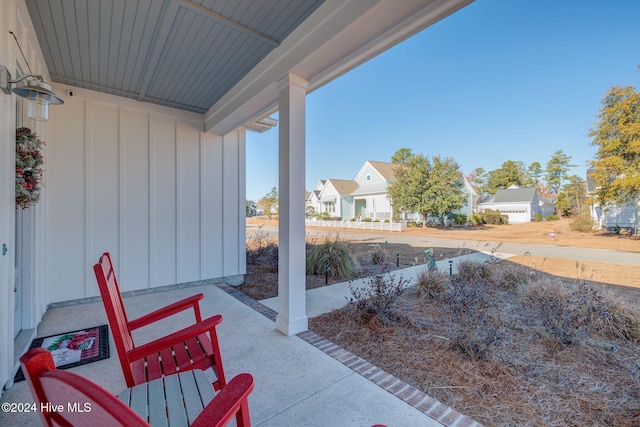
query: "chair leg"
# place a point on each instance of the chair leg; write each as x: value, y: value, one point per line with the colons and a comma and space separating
x: 242, y: 416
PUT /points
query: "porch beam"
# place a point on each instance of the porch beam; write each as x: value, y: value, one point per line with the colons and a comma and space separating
x: 292, y: 312
x: 210, y: 14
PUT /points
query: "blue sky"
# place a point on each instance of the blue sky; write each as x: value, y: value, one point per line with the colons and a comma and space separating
x: 499, y: 80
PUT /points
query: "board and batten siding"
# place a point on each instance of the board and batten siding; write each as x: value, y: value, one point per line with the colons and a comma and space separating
x: 147, y: 185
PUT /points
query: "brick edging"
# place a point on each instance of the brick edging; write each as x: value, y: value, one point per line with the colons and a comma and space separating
x: 411, y: 395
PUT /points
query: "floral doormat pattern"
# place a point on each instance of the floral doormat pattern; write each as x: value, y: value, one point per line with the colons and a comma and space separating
x: 75, y: 348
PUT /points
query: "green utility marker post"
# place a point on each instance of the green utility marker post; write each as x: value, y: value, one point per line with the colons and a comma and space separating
x: 431, y: 261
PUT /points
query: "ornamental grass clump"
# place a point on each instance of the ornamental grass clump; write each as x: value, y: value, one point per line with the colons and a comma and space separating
x: 335, y: 254
x: 512, y: 276
x: 431, y: 284
x: 572, y: 315
x: 474, y: 272
x: 378, y: 255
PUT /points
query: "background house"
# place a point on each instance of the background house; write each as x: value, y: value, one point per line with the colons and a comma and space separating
x: 335, y: 198
x: 370, y: 199
x: 312, y: 201
x: 519, y: 204
x: 613, y: 216
x: 366, y: 196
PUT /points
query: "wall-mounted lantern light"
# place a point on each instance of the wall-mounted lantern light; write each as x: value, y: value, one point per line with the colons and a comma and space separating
x: 36, y: 91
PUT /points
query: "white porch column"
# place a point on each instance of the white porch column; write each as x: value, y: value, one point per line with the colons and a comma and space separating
x: 292, y: 311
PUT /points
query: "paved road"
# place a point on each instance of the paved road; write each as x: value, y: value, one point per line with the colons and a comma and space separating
x: 549, y: 251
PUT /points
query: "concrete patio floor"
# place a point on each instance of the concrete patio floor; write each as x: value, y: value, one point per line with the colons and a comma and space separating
x: 300, y: 380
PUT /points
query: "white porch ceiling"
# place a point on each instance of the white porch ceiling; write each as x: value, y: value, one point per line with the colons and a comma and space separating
x: 178, y: 53
x: 219, y: 58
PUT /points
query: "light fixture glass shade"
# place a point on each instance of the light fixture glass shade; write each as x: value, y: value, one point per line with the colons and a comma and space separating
x: 38, y: 109
x: 40, y: 96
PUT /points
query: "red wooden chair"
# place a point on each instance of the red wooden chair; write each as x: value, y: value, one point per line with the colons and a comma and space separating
x: 55, y: 390
x: 195, y: 347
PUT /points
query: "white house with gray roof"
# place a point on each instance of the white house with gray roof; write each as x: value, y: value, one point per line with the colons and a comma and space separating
x: 519, y: 204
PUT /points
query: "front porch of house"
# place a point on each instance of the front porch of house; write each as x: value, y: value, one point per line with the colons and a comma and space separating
x: 147, y: 161
x: 300, y: 380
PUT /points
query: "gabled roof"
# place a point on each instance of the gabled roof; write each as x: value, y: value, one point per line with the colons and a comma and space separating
x: 547, y: 200
x: 515, y: 195
x: 485, y: 198
x: 385, y: 169
x: 343, y: 186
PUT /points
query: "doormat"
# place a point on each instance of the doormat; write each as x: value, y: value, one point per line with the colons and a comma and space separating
x: 75, y: 348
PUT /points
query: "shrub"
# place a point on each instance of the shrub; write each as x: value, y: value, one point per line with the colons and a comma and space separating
x: 494, y: 217
x: 582, y: 224
x: 366, y: 220
x: 513, y: 276
x: 378, y: 255
x: 431, y: 283
x: 334, y: 253
x: 542, y: 291
x: 551, y: 218
x: 309, y: 212
x: 572, y: 315
x: 476, y: 219
x: 592, y: 310
x: 323, y: 216
x: 262, y: 250
x: 478, y: 325
x: 474, y: 272
x: 378, y: 295
x: 459, y: 219
x: 537, y: 217
x: 618, y: 321
x: 386, y: 221
x: 377, y: 220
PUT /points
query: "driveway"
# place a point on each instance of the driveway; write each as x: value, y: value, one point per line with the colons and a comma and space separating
x: 562, y: 252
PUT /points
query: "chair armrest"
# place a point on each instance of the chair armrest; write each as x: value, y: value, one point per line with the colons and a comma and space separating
x: 227, y: 403
x: 167, y: 311
x: 177, y: 337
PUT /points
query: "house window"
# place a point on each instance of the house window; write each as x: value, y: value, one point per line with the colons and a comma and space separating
x: 329, y: 207
x: 369, y: 177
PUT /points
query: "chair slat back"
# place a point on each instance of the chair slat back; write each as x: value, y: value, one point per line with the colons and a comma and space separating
x: 69, y: 399
x: 116, y: 314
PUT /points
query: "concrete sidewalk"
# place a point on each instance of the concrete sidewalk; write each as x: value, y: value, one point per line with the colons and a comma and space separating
x: 299, y: 382
x: 328, y: 298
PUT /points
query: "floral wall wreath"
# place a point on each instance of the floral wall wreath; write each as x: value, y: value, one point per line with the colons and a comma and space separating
x: 28, y: 167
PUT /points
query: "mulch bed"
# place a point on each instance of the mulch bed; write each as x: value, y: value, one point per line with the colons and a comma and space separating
x: 531, y: 376
x: 261, y: 279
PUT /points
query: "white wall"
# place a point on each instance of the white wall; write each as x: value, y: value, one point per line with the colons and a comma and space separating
x: 146, y: 184
x: 14, y: 18
x: 614, y: 216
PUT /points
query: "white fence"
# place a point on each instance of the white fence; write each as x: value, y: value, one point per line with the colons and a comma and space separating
x: 359, y: 225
